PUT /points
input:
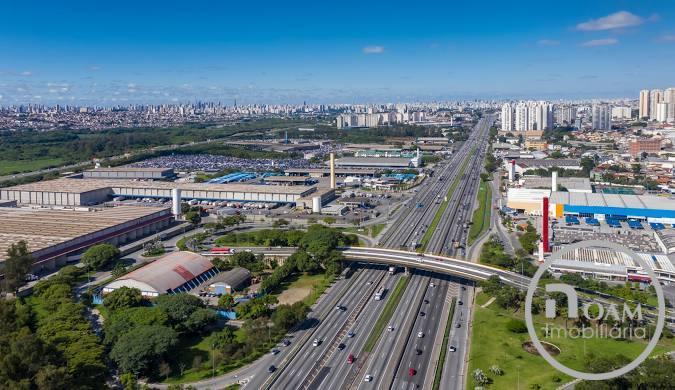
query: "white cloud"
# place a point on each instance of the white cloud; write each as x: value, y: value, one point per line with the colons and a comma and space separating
x: 373, y: 50
x: 548, y: 42
x: 668, y: 38
x: 616, y: 20
x: 600, y: 42
x: 94, y: 67
x: 131, y: 85
x: 26, y: 73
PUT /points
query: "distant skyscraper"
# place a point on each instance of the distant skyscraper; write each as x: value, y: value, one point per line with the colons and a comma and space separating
x: 662, y: 114
x: 655, y: 97
x: 601, y: 117
x: 522, y: 121
x: 644, y: 104
x: 507, y: 117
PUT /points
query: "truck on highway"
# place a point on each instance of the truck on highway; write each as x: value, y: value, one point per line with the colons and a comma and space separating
x: 392, y: 270
x: 380, y: 293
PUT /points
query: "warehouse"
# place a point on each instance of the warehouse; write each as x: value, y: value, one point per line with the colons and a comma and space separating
x: 605, y: 264
x: 526, y: 200
x: 289, y: 180
x: 325, y: 172
x: 377, y: 162
x: 650, y: 208
x: 79, y: 192
x: 130, y: 173
x: 229, y: 282
x: 572, y: 184
x: 55, y: 235
x: 525, y: 164
x: 173, y: 273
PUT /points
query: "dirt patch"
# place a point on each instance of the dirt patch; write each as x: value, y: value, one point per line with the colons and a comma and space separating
x: 550, y: 348
x: 294, y: 294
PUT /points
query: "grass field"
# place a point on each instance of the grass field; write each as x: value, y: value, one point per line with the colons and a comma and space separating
x: 481, y: 216
x: 386, y: 314
x: 300, y: 288
x: 493, y: 344
x: 19, y: 166
x: 441, y: 210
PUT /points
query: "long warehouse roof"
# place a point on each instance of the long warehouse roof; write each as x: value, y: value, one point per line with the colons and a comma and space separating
x: 43, y: 228
x: 651, y: 202
x: 85, y: 185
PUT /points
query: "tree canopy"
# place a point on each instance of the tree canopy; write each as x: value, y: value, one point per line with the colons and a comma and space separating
x: 100, y: 255
x: 16, y: 266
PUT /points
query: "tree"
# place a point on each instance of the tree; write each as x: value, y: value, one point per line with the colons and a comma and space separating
x: 193, y: 217
x: 186, y: 313
x: 226, y: 302
x: 99, y: 256
x: 480, y: 377
x: 516, y: 326
x: 123, y: 297
x: 16, y: 266
x: 118, y: 270
x: 142, y: 349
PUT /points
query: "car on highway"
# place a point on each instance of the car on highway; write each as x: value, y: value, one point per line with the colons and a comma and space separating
x: 340, y: 347
x: 316, y: 342
x: 422, y: 314
x: 286, y: 342
x: 426, y: 301
x: 411, y: 371
x: 340, y: 308
x: 368, y: 378
x: 390, y: 328
x: 458, y: 325
x: 460, y: 303
x: 271, y: 369
x: 420, y: 334
x: 275, y: 351
x: 453, y: 349
x: 418, y: 351
x: 350, y: 334
x: 350, y: 359
x: 432, y: 284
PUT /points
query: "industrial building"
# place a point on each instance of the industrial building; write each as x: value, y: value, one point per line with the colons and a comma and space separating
x: 78, y: 192
x: 377, y: 162
x: 130, y: 173
x: 325, y: 172
x: 229, y: 282
x: 605, y: 264
x: 174, y: 273
x: 54, y: 236
x: 571, y: 184
x: 650, y: 208
x: 289, y: 180
x: 526, y: 200
x: 522, y: 165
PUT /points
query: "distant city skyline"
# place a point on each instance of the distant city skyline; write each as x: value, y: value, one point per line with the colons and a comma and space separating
x: 82, y: 53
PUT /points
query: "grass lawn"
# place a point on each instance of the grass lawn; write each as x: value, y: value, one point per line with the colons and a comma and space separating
x: 493, y: 344
x: 387, y: 312
x: 300, y: 287
x: 481, y: 216
x: 441, y: 210
x: 18, y: 166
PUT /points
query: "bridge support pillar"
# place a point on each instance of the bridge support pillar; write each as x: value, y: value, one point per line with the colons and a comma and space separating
x: 406, y: 271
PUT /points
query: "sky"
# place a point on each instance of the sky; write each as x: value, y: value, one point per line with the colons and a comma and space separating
x: 122, y: 52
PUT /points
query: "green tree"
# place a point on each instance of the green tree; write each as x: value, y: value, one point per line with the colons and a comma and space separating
x: 193, y: 217
x: 186, y: 313
x: 226, y: 302
x: 122, y: 298
x: 16, y: 266
x: 100, y: 255
x: 143, y: 348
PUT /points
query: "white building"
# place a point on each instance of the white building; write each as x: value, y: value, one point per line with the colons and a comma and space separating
x: 662, y: 114
x: 507, y: 117
x: 621, y: 112
x: 522, y: 120
x: 655, y: 97
x: 601, y: 117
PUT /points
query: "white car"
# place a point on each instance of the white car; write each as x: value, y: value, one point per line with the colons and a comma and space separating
x: 453, y: 349
x: 420, y: 334
x: 390, y: 328
x: 350, y: 334
x: 367, y: 378
x: 316, y: 342
x: 432, y: 285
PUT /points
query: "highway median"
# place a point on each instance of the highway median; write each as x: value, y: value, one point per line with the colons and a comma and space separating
x: 387, y: 313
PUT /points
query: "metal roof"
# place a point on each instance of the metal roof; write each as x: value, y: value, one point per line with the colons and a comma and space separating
x: 166, y: 273
x: 234, y: 278
x: 647, y: 202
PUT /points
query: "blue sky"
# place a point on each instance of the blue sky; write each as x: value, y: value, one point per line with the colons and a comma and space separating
x: 339, y: 52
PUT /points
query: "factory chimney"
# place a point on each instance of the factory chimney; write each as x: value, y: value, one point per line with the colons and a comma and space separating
x: 332, y: 170
x: 554, y: 181
x: 544, y: 225
x: 512, y: 171
x: 175, y: 206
